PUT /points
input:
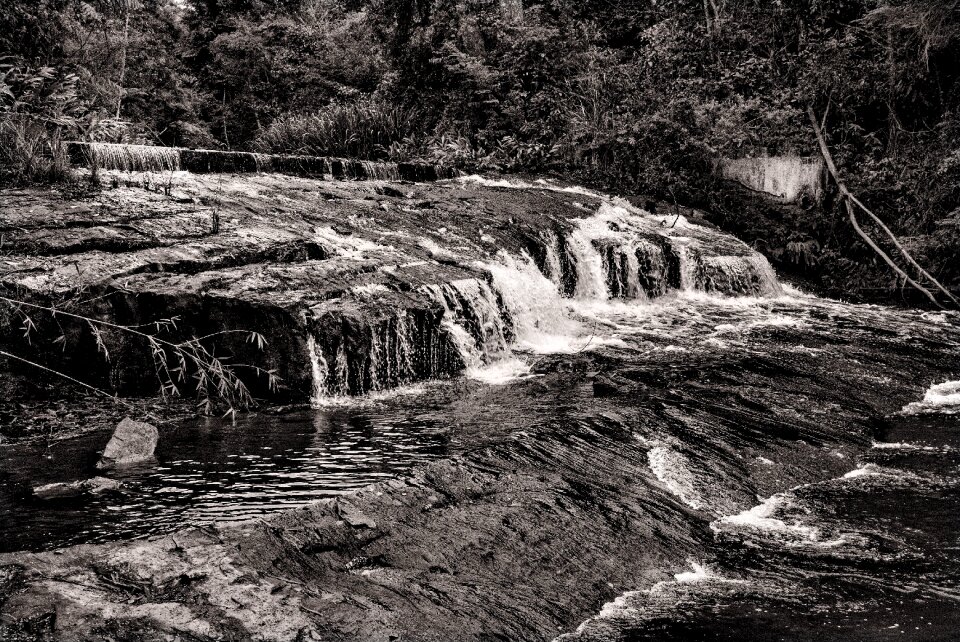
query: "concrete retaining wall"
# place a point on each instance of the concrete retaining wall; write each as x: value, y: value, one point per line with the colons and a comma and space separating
x: 203, y: 161
x: 786, y: 177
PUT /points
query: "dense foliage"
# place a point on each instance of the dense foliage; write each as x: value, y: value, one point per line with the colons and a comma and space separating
x: 639, y: 96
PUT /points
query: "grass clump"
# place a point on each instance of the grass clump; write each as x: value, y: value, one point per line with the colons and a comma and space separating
x: 368, y: 130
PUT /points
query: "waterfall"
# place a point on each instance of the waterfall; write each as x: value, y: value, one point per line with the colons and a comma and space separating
x: 473, y: 318
x: 746, y: 275
x: 653, y: 270
x: 622, y: 269
x: 591, y: 281
x: 623, y: 253
x: 134, y: 158
x: 381, y: 171
x: 483, y: 324
x: 689, y: 264
x: 633, y: 289
x: 341, y: 371
x: 318, y: 370
x: 554, y: 269
x: 538, y: 315
x: 264, y: 162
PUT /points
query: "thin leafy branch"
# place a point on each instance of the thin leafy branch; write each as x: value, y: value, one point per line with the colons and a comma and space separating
x: 178, y: 364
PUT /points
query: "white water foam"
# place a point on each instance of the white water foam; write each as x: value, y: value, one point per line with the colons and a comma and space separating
x: 943, y: 398
x: 632, y: 603
x: 899, y: 445
x: 540, y: 320
x: 352, y: 246
x: 700, y: 573
x: 483, y: 181
x: 591, y: 281
x: 673, y: 471
x: 761, y: 520
x: 501, y: 372
x: 552, y: 259
x: 369, y: 289
x: 373, y: 397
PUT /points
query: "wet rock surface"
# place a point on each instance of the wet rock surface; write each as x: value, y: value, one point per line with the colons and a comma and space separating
x: 562, y: 501
x: 351, y: 264
x: 596, y: 472
x: 71, y: 490
x: 133, y: 442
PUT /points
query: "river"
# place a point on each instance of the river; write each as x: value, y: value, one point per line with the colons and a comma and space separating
x: 800, y: 456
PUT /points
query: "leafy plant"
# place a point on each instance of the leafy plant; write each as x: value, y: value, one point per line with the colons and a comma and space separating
x: 187, y: 364
x: 369, y: 129
x: 37, y: 107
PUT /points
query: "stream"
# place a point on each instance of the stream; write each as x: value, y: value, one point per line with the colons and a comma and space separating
x: 809, y: 447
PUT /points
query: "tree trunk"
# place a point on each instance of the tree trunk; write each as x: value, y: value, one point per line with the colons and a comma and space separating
x: 123, y: 56
x: 850, y: 200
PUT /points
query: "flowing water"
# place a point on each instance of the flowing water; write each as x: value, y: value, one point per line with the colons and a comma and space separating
x: 811, y: 447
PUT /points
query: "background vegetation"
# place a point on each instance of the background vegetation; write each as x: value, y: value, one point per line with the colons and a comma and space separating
x: 639, y: 96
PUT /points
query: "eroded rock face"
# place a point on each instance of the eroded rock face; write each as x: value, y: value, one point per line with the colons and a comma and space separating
x: 133, y: 442
x: 339, y: 279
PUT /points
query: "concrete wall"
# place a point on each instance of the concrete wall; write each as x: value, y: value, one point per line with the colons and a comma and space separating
x: 786, y: 177
x: 200, y: 161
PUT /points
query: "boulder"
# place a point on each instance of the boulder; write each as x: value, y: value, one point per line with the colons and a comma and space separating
x: 74, y: 489
x: 354, y: 517
x: 132, y: 442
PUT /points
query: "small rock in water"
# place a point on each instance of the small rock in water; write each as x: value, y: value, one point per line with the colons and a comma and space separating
x: 59, y: 490
x: 132, y: 442
x: 100, y: 485
x: 71, y: 490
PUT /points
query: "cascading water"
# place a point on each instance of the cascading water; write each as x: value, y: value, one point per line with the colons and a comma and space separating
x: 618, y: 253
x: 647, y: 450
x: 318, y: 371
x: 381, y: 171
x: 591, y: 280
x: 472, y: 319
x: 539, y: 317
x: 688, y: 259
x: 751, y: 275
x: 143, y: 158
x: 264, y: 162
x: 552, y: 265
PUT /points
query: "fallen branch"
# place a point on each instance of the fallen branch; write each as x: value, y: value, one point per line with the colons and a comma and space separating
x: 906, y: 254
x: 896, y: 268
x: 850, y: 200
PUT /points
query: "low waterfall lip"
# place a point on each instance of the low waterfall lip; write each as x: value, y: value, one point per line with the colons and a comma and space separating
x: 502, y: 372
x: 376, y: 397
x: 517, y: 309
x: 542, y: 183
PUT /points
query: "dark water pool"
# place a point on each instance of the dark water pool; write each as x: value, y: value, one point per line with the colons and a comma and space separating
x: 210, y: 470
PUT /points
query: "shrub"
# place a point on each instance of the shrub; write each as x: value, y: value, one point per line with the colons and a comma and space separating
x: 30, y: 153
x: 369, y: 130
x: 37, y: 108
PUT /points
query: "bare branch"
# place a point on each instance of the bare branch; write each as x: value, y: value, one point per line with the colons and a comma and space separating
x: 850, y: 200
